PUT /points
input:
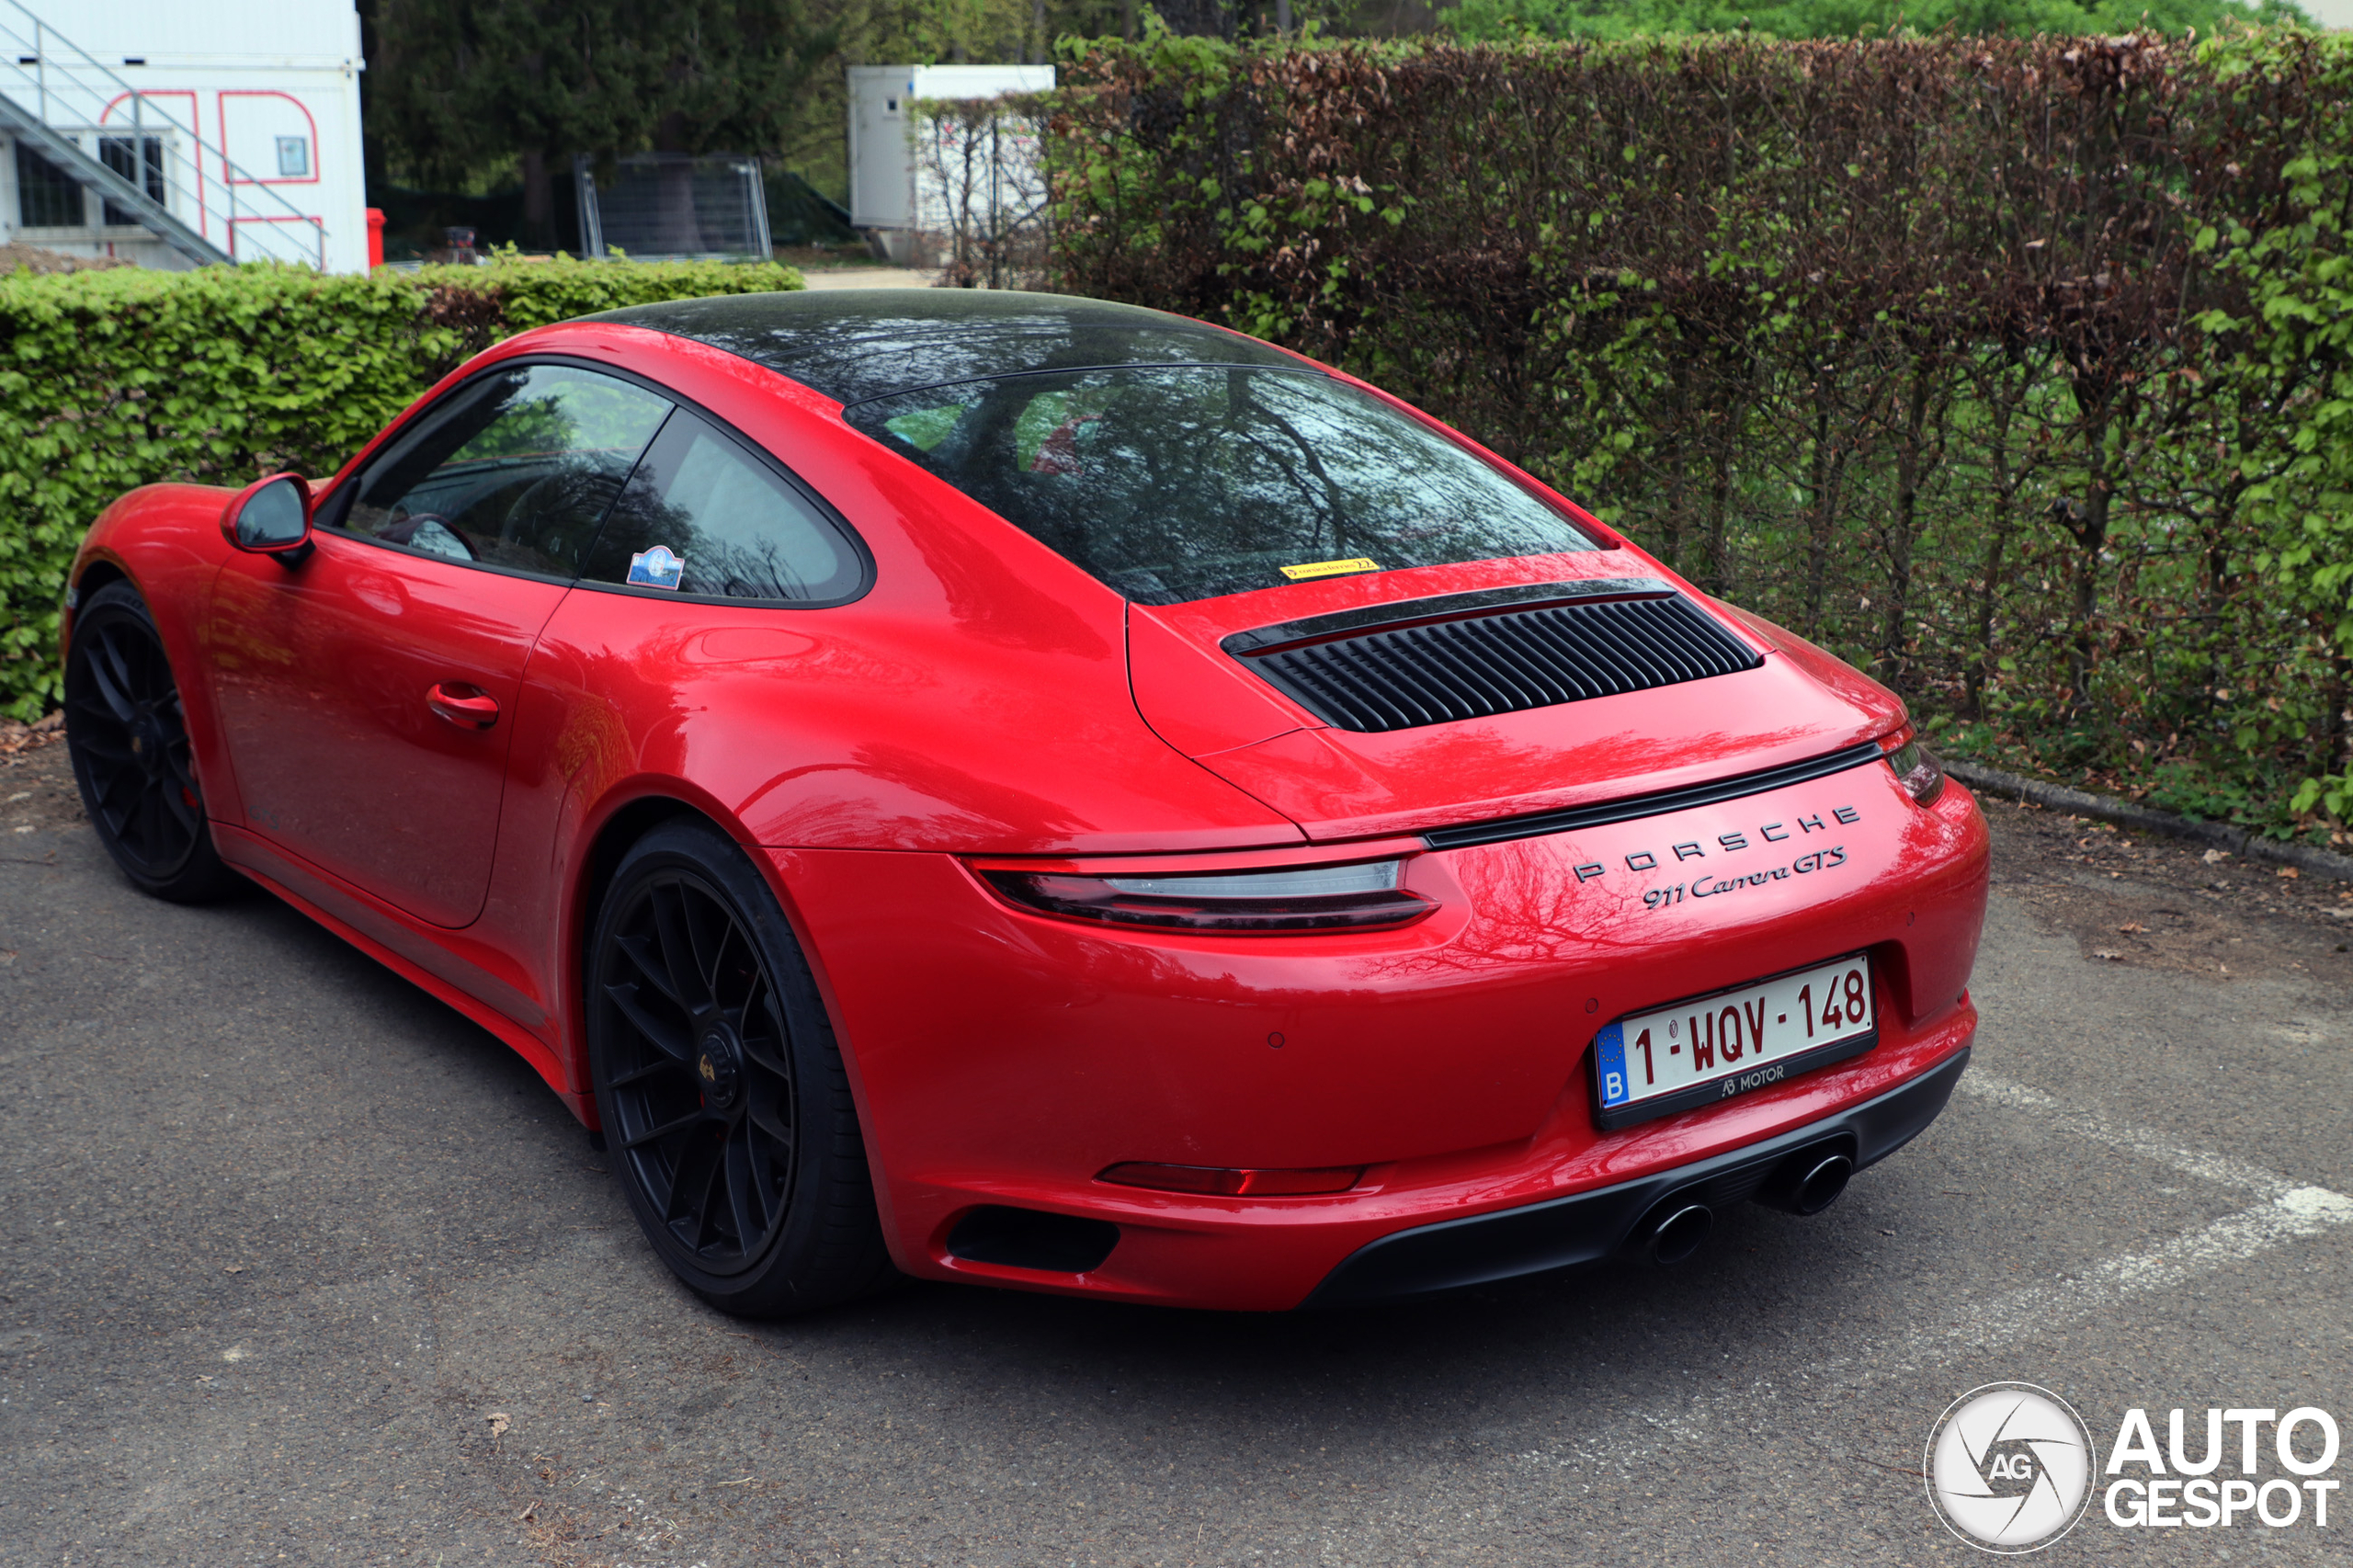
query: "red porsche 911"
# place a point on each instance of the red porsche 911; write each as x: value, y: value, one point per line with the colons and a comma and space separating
x: 1019, y: 790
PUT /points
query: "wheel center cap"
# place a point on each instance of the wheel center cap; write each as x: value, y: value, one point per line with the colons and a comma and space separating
x: 718, y: 1065
x: 147, y: 743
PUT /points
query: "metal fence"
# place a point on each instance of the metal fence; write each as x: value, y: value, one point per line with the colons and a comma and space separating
x: 673, y: 207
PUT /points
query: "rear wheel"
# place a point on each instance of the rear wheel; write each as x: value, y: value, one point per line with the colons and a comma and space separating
x: 726, y: 1110
x: 127, y: 735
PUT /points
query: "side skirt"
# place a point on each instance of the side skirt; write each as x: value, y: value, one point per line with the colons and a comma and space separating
x: 241, y: 849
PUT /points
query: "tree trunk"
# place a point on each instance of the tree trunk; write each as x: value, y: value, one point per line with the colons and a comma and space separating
x: 1719, y: 502
x: 2000, y: 407
x: 1828, y: 470
x: 2088, y: 521
x: 539, y: 201
x: 1911, y: 465
x: 2336, y: 743
x: 1675, y: 462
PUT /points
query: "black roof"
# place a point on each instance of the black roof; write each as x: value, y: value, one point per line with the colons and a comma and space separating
x: 856, y: 344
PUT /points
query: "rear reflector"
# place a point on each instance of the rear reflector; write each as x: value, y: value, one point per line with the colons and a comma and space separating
x: 1224, y: 1183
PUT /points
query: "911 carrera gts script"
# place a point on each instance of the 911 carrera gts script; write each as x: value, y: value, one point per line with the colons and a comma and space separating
x: 1820, y: 860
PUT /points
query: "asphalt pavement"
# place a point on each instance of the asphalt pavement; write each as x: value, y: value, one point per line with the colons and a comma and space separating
x: 297, y: 1266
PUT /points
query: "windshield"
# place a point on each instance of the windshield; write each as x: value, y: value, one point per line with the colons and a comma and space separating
x: 1187, y: 482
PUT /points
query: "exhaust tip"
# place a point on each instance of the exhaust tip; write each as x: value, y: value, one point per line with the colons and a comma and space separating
x: 1810, y: 1182
x: 1679, y: 1235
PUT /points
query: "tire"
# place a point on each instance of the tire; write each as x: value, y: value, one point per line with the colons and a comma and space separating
x: 726, y: 1110
x: 126, y: 734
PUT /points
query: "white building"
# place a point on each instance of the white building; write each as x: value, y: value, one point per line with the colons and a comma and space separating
x: 905, y: 171
x: 177, y: 134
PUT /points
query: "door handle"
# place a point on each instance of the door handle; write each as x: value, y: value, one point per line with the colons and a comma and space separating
x: 468, y: 707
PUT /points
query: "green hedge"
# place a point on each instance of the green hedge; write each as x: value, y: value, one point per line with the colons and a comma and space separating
x: 2017, y: 370
x: 117, y: 378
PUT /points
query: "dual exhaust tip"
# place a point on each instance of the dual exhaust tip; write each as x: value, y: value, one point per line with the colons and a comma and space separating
x: 1807, y: 1183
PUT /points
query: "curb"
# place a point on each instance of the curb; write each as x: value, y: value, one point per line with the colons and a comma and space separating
x: 2123, y: 813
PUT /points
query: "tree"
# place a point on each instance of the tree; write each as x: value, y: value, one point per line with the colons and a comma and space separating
x: 463, y: 90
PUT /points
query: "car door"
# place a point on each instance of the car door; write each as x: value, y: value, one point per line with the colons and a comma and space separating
x: 368, y: 692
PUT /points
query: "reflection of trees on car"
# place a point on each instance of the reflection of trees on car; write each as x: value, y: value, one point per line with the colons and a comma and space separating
x: 758, y: 566
x: 738, y: 529
x: 516, y: 471
x: 1190, y: 481
x: 521, y: 427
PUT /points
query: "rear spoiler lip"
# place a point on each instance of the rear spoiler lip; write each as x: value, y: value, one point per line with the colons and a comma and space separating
x: 1659, y: 802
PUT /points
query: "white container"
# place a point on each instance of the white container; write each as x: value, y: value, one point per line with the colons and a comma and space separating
x: 886, y: 172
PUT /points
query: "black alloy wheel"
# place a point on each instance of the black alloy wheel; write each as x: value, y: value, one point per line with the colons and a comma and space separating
x: 126, y: 733
x: 726, y: 1107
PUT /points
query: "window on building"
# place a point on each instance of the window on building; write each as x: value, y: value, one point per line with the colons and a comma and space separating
x: 142, y: 166
x: 293, y: 157
x: 47, y: 196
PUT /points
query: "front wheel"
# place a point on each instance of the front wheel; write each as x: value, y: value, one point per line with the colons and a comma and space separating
x: 127, y: 737
x: 726, y: 1109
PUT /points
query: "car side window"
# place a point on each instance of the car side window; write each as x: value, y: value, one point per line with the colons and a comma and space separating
x: 515, y: 468
x: 705, y: 515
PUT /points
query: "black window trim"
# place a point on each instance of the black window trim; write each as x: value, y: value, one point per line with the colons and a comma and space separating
x: 340, y: 501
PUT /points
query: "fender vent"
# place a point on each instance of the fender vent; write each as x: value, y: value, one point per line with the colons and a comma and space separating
x: 1437, y: 672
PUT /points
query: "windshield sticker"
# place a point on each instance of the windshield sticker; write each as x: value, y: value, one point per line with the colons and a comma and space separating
x: 1330, y: 568
x: 655, y: 568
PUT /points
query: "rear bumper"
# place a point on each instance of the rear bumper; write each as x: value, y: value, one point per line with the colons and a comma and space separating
x: 1002, y: 1059
x: 1590, y: 1226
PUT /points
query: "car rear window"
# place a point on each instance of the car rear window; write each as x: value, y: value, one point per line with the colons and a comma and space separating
x: 1186, y: 482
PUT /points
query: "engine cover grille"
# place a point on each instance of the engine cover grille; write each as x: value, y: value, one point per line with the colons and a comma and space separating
x: 1435, y: 671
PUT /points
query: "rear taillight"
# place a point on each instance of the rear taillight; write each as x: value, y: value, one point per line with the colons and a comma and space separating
x: 1917, y: 769
x: 1221, y: 1182
x: 1309, y: 898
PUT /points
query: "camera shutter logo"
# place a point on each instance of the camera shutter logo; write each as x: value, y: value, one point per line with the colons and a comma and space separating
x: 2009, y: 1468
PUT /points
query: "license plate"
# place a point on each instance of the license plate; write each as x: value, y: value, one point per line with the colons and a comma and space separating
x: 1710, y: 1048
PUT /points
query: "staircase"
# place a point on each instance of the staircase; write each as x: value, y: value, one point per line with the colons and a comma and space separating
x: 146, y: 164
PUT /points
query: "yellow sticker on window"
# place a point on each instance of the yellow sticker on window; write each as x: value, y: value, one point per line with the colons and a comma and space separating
x: 1330, y: 568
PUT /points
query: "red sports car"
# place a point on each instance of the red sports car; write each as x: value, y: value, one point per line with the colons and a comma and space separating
x: 1041, y: 792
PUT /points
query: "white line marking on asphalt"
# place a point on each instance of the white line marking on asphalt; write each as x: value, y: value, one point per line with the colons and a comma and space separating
x: 2288, y: 1212
x: 2221, y: 1169
x: 2293, y: 1213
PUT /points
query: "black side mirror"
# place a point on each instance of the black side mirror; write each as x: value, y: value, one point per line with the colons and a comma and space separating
x: 271, y: 516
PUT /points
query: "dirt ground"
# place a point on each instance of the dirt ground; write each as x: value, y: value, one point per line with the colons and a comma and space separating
x: 2158, y: 903
x: 2127, y: 898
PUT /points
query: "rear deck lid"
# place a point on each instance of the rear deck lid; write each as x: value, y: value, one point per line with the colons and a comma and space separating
x: 1474, y: 703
